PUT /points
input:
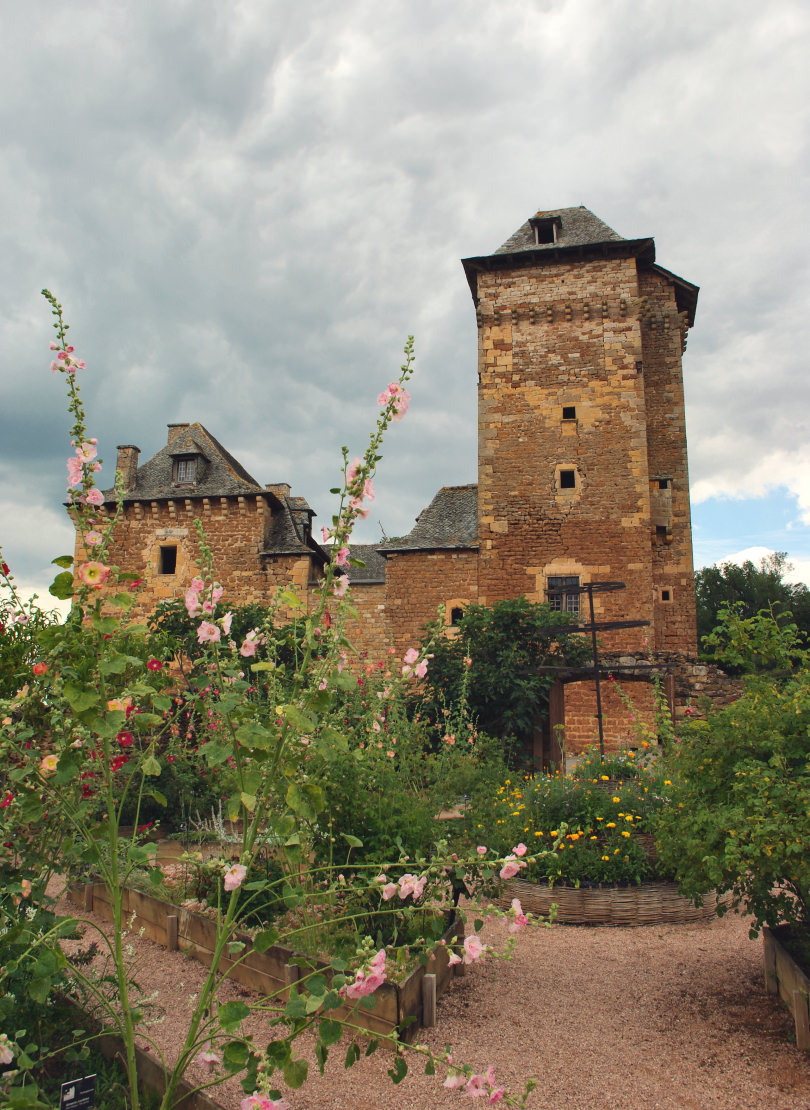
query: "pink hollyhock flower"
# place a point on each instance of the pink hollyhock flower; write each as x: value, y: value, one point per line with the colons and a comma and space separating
x: 94, y: 497
x: 93, y: 538
x: 209, y: 1059
x: 208, y: 633
x: 197, y: 585
x: 6, y: 1054
x: 250, y: 644
x: 454, y: 1082
x: 226, y: 623
x: 453, y: 959
x: 75, y: 471
x: 476, y: 1086
x: 25, y: 887
x: 192, y: 603
x: 411, y: 655
x: 360, y: 509
x: 520, y: 850
x: 411, y: 885
x: 497, y: 1095
x: 520, y: 917
x: 93, y: 574
x: 388, y: 891
x: 40, y: 668
x: 481, y: 850
x: 235, y: 876
x: 340, y: 585
x: 368, y: 490
x: 342, y: 557
x: 366, y: 983
x: 353, y: 470
x: 420, y: 670
x: 87, y: 452
x: 511, y: 868
x: 216, y: 592
x: 48, y: 763
x: 473, y: 949
x: 262, y: 1102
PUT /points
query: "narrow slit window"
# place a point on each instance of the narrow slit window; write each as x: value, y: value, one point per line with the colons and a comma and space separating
x: 568, y: 479
x: 168, y: 560
x: 661, y: 532
x: 666, y: 595
x: 456, y: 615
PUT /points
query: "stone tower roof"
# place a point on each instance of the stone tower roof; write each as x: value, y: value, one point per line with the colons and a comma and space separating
x: 559, y: 228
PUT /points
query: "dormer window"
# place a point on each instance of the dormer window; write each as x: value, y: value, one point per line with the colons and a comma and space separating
x: 546, y: 229
x: 184, y: 471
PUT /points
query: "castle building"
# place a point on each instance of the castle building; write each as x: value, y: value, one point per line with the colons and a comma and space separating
x: 582, y: 476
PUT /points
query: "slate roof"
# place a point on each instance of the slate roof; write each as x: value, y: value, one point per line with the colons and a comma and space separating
x: 449, y: 521
x: 289, y: 531
x: 373, y: 571
x: 218, y: 475
x: 578, y: 227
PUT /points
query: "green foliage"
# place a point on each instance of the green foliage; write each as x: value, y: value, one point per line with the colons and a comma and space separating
x: 740, y: 821
x: 749, y: 589
x: 506, y: 645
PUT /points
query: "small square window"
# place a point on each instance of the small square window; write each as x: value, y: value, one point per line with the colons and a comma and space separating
x: 559, y: 598
x: 456, y: 615
x: 185, y: 471
x: 168, y: 560
x: 568, y: 479
x: 569, y: 412
x: 663, y: 483
x: 666, y: 595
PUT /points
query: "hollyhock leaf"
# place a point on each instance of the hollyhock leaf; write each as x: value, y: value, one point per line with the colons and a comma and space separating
x: 399, y: 1070
x: 62, y: 586
x: 66, y: 769
x: 265, y: 939
x: 252, y: 735
x: 352, y: 1055
x: 265, y: 666
x: 295, y: 1073
x: 215, y: 753
x: 313, y: 1003
x: 155, y: 876
x: 122, y: 601
x: 335, y: 490
x: 329, y: 1032
x: 317, y: 984
x: 151, y: 792
x: 372, y: 1047
x: 331, y: 1001
x: 65, y: 561
x: 105, y: 625
x: 301, y: 720
x: 430, y: 1068
x: 352, y: 841
x: 296, y: 1008
x: 368, y: 1001
x: 232, y: 1014
x: 248, y: 801
x: 306, y: 800
x: 80, y: 699
x: 233, y: 806
x: 150, y: 766
x: 235, y: 1055
x: 161, y: 702
x: 116, y: 664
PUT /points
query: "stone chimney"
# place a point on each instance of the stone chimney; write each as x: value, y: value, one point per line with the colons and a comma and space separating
x: 127, y: 463
x: 280, y: 489
x: 175, y: 431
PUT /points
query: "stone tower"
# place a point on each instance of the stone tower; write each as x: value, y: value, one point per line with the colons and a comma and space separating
x: 582, y: 469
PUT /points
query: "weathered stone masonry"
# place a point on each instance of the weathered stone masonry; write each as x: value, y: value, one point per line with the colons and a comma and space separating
x: 582, y: 472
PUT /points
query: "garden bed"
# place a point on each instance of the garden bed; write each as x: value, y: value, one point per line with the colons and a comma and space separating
x: 784, y: 976
x: 405, y: 1006
x: 650, y: 903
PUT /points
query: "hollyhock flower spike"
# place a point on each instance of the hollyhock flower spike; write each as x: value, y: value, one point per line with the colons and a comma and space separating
x: 94, y: 497
x: 208, y: 633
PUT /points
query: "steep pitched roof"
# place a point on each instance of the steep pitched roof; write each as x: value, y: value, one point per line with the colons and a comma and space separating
x: 575, y: 227
x: 218, y: 473
x: 289, y: 529
x: 553, y: 234
x: 449, y: 521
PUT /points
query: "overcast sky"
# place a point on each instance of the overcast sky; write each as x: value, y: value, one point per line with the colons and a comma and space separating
x: 247, y: 206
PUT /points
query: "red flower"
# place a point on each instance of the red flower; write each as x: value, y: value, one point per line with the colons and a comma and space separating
x: 6, y: 571
x: 7, y: 799
x: 124, y: 739
x: 118, y: 762
x: 155, y: 665
x: 40, y: 668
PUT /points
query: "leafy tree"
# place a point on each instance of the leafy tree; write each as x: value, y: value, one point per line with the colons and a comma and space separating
x: 506, y: 645
x: 750, y: 589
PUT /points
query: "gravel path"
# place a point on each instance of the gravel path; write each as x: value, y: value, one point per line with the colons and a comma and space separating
x: 665, y: 1017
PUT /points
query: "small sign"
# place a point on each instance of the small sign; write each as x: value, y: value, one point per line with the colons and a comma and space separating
x: 79, y: 1094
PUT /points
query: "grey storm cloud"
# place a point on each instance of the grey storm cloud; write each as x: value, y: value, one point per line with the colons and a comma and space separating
x: 246, y: 207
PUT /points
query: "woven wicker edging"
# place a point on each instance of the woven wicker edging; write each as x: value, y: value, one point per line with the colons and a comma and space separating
x: 276, y: 970
x: 650, y: 903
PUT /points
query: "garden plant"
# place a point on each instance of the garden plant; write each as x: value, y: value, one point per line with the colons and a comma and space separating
x: 100, y: 712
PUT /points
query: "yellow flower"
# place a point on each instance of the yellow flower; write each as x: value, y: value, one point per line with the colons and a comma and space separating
x: 605, y: 778
x: 615, y: 799
x: 625, y: 832
x: 667, y: 782
x: 611, y: 825
x: 606, y: 858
